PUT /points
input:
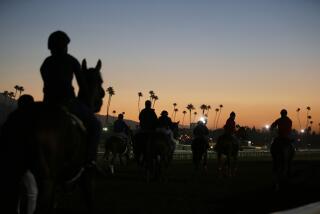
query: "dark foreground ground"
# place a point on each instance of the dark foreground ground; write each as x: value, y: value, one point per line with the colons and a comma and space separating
x: 251, y: 191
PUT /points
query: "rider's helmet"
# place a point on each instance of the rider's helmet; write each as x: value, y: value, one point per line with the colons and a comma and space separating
x: 232, y: 114
x: 120, y: 116
x: 283, y: 113
x: 58, y: 40
x: 147, y: 104
x: 164, y: 113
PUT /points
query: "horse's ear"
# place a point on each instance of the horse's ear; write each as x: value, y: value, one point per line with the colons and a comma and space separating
x: 178, y: 122
x: 84, y: 64
x: 98, y: 66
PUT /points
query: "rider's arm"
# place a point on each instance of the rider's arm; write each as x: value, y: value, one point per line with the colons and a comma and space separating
x: 274, y: 124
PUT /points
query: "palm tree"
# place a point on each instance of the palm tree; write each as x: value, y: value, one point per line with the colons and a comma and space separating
x: 184, y: 114
x: 208, y: 109
x: 194, y: 116
x: 190, y: 107
x: 111, y: 92
x: 139, y: 97
x: 174, y: 107
x: 155, y: 98
x: 11, y: 96
x: 21, y: 89
x: 151, y: 95
x: 203, y: 107
x: 308, y: 111
x: 220, y: 109
x: 215, y: 118
x: 16, y: 87
x: 311, y: 123
x: 298, y: 116
x: 207, y: 115
x: 175, y: 113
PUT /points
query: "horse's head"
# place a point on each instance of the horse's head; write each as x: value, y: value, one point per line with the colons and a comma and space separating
x: 94, y: 95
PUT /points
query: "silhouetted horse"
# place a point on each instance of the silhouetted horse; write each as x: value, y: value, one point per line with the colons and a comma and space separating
x: 282, y: 152
x: 51, y: 143
x: 228, y: 146
x: 154, y: 151
x: 118, y: 146
x: 199, y: 147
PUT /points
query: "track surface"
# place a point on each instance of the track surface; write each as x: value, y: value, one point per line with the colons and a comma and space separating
x: 186, y: 191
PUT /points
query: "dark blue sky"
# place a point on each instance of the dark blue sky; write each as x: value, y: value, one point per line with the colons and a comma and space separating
x: 202, y: 50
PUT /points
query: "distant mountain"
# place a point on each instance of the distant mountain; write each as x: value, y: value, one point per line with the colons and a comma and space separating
x: 131, y: 123
x: 7, y: 105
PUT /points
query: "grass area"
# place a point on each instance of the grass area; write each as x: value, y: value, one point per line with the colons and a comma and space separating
x: 186, y: 191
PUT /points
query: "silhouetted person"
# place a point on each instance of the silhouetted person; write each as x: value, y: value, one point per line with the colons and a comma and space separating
x: 230, y: 126
x: 165, y: 126
x: 148, y: 118
x: 27, y: 202
x: 284, y: 125
x: 120, y: 127
x: 164, y: 121
x: 26, y: 188
x: 57, y: 72
x: 229, y: 132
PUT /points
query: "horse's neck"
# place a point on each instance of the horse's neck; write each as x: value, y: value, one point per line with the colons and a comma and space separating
x: 84, y: 98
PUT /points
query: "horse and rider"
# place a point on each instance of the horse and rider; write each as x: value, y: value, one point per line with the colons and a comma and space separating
x: 154, y: 143
x: 228, y: 145
x: 200, y: 144
x: 119, y: 142
x: 60, y: 135
x: 57, y: 72
x: 282, y: 149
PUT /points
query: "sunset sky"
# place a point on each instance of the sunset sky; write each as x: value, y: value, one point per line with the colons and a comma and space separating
x: 253, y: 56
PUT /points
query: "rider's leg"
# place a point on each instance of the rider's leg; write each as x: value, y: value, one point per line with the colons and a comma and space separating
x: 31, y: 192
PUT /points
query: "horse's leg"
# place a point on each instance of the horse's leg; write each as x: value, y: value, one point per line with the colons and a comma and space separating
x: 234, y: 165
x: 205, y: 161
x: 220, y: 164
x: 276, y: 171
x: 106, y: 159
x: 228, y: 167
x: 196, y: 159
x: 112, y: 162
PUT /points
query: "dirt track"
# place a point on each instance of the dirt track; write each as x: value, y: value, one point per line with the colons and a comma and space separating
x: 251, y: 191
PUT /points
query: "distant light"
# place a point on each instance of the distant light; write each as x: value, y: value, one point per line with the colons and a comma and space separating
x: 302, y: 130
x: 249, y: 143
x: 267, y: 126
x: 203, y: 120
x: 105, y: 129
